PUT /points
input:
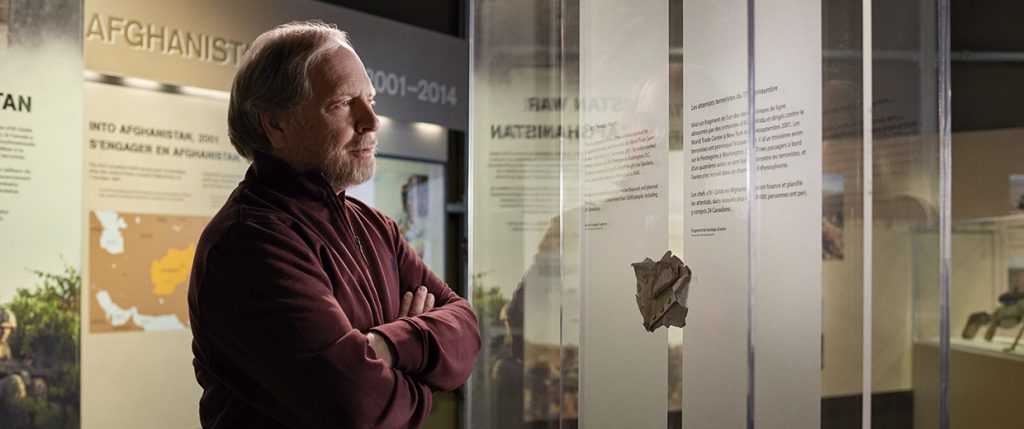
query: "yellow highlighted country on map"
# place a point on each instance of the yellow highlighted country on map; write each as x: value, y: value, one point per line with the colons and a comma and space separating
x: 173, y: 269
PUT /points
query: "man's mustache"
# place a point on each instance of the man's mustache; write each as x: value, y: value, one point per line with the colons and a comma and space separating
x: 363, y: 142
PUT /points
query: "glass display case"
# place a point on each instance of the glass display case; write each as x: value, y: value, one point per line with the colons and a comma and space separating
x: 985, y: 313
x: 987, y: 304
x: 788, y: 153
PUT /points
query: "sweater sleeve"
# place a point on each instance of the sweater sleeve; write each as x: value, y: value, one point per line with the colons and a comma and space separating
x: 437, y: 347
x: 280, y: 340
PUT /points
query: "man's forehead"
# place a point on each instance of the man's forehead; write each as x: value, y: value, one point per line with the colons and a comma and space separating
x: 342, y: 68
x: 342, y: 58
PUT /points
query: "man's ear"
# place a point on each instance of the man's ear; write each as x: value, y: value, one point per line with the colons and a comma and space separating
x: 274, y: 126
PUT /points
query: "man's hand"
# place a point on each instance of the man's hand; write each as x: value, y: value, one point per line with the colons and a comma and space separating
x: 381, y: 348
x: 414, y: 304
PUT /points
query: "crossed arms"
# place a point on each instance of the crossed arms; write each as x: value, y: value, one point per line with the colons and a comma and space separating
x: 277, y: 337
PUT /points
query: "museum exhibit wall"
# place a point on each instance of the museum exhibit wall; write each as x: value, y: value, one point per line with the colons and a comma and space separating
x: 983, y: 164
x: 114, y: 154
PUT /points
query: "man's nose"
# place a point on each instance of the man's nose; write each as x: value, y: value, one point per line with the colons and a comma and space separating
x: 366, y: 120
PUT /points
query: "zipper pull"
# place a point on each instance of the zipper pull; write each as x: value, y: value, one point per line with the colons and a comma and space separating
x: 362, y: 251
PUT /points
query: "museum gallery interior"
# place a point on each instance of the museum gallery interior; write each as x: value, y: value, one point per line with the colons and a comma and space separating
x: 681, y: 213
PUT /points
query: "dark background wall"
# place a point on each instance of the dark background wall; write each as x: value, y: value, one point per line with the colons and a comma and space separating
x: 988, y: 64
x: 444, y: 16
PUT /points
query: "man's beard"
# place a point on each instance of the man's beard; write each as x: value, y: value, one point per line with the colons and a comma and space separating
x: 342, y: 170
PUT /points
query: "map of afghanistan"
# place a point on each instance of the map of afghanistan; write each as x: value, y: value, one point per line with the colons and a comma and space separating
x: 139, y: 266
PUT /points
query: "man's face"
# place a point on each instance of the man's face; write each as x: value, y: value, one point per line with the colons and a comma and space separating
x: 334, y: 131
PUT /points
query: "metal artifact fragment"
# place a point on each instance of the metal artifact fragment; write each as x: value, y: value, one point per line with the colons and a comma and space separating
x: 661, y: 291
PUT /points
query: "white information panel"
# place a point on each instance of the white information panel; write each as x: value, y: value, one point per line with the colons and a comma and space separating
x: 624, y: 133
x: 157, y: 167
x: 40, y: 104
x: 788, y: 231
x: 715, y: 213
x: 785, y: 282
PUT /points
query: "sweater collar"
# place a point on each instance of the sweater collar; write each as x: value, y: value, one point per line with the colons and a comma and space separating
x: 274, y: 173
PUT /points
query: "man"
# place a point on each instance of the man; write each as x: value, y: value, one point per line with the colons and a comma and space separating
x: 308, y: 310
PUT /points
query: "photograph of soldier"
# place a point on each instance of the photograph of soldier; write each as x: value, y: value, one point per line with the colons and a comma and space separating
x: 415, y: 209
x: 8, y: 323
x: 16, y: 382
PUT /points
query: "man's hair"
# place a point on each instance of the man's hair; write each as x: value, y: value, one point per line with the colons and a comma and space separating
x: 274, y: 78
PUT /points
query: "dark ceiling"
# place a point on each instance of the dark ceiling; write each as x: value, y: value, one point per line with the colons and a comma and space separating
x: 990, y: 25
x: 988, y: 90
x: 444, y: 16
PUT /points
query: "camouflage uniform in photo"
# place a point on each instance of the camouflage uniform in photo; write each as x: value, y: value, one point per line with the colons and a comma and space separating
x: 12, y: 385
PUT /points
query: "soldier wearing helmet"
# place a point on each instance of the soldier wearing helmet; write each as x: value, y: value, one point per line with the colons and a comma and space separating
x: 8, y: 323
x: 12, y: 385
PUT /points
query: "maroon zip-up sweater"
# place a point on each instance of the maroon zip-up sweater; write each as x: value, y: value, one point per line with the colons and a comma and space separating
x: 287, y: 281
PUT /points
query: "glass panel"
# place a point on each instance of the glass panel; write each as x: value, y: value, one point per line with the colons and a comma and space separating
x: 570, y: 218
x: 907, y: 214
x: 715, y: 128
x: 623, y: 117
x: 515, y: 242
x: 786, y: 186
x: 676, y: 193
x: 842, y: 223
x: 906, y: 165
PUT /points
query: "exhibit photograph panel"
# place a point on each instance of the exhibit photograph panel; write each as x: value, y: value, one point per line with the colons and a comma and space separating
x: 412, y: 193
x: 40, y: 204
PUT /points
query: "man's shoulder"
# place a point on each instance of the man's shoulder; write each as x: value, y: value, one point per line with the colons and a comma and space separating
x: 373, y: 219
x: 367, y: 211
x: 358, y: 204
